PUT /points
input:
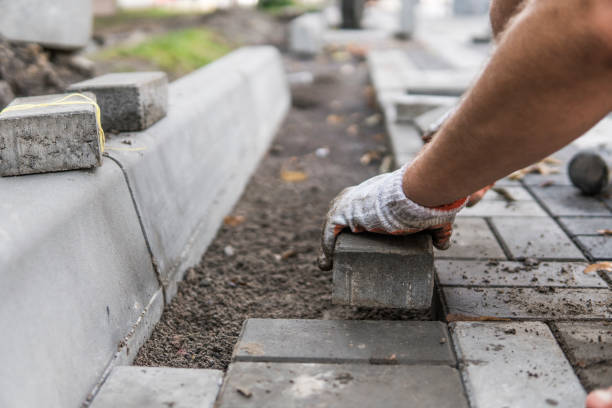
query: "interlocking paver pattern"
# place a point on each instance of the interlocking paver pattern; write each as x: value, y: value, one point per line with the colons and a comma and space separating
x: 563, y: 201
x: 600, y: 247
x: 586, y: 225
x: 472, y: 239
x: 502, y: 208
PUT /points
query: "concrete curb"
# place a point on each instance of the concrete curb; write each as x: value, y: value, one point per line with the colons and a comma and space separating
x: 88, y: 257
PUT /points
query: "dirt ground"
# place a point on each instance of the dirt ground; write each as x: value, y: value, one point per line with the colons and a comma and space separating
x: 263, y: 260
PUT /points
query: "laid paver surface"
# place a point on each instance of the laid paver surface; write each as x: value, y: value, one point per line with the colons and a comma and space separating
x: 344, y: 341
x: 586, y: 225
x: 515, y: 364
x: 249, y: 384
x: 159, y: 387
x: 599, y: 247
x: 589, y: 348
x: 510, y: 274
x: 530, y: 303
x: 472, y: 239
x: 567, y: 200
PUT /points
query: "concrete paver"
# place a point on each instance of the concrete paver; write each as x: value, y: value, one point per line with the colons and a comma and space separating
x: 530, y: 303
x: 344, y: 341
x: 550, y: 180
x: 515, y: 364
x: 517, y: 192
x: 599, y: 247
x: 383, y: 271
x: 563, y: 201
x: 586, y: 225
x: 589, y: 348
x: 501, y: 208
x: 511, y: 274
x: 159, y: 387
x: 472, y: 239
x: 536, y: 237
x: 340, y: 385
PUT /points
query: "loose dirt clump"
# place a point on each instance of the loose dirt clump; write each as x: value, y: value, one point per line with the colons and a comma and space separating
x: 263, y: 261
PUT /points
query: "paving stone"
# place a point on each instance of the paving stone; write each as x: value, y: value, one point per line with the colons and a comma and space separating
x: 530, y: 303
x: 405, y: 140
x: 495, y: 208
x: 344, y: 341
x: 442, y: 82
x: 128, y: 101
x: 48, y: 138
x: 341, y: 386
x: 517, y: 192
x: 536, y: 237
x: 547, y: 180
x: 589, y: 348
x: 429, y: 119
x: 62, y: 24
x: 410, y: 107
x: 516, y: 364
x: 159, y: 387
x: 383, y: 271
x: 599, y: 247
x: 306, y: 34
x: 496, y: 273
x: 472, y: 239
x: 569, y: 201
x: 586, y: 225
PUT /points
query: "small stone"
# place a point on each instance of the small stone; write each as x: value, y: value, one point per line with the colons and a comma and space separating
x: 229, y: 250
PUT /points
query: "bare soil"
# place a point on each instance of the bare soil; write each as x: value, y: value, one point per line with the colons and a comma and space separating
x: 263, y: 261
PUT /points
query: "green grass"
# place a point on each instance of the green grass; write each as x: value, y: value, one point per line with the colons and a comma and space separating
x: 124, y: 17
x: 176, y: 52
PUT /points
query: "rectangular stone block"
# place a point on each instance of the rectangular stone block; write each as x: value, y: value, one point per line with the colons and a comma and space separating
x: 472, y: 239
x: 536, y: 237
x: 503, y: 208
x: 159, y: 387
x: 283, y: 385
x: 45, y: 138
x: 564, y: 201
x: 383, y: 271
x: 530, y: 303
x: 344, y: 341
x: 405, y: 140
x: 599, y: 247
x: 128, y: 101
x: 515, y: 364
x: 586, y: 225
x: 409, y: 108
x: 431, y: 118
x: 511, y: 274
x: 516, y: 192
x: 61, y: 24
x: 306, y: 34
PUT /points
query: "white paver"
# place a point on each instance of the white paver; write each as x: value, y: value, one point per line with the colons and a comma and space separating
x: 515, y: 365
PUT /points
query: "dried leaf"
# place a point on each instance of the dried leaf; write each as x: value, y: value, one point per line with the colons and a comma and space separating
x: 372, y: 120
x: 456, y: 317
x: 551, y: 160
x: 352, y: 130
x: 504, y: 193
x: 293, y: 176
x: 601, y: 266
x: 234, y: 220
x: 604, y: 232
x: 334, y: 119
x: 541, y: 167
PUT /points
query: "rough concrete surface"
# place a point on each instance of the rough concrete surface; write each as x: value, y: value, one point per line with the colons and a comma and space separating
x: 515, y: 365
x: 344, y: 341
x: 306, y: 34
x: 128, y: 101
x: 159, y: 387
x: 383, y: 271
x: 48, y: 138
x: 340, y: 385
x: 472, y: 239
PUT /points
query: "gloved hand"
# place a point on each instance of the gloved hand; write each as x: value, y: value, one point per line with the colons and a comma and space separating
x: 380, y: 205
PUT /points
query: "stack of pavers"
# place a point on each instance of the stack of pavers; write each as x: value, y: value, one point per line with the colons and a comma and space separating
x: 51, y: 133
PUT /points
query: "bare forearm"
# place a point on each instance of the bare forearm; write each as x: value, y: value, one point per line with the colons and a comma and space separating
x: 548, y: 82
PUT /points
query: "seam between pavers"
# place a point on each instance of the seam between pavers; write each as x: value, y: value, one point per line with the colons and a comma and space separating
x: 500, y: 239
x: 457, y: 352
x: 158, y: 276
x: 571, y: 237
x: 564, y: 348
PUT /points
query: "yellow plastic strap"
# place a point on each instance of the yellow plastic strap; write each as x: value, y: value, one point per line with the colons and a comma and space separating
x: 64, y: 101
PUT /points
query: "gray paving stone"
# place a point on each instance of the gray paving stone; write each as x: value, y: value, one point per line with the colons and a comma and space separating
x: 128, y: 101
x: 599, y: 247
x: 159, y: 387
x: 569, y: 201
x: 530, y: 303
x: 515, y: 365
x: 586, y: 225
x: 344, y: 341
x: 341, y: 386
x: 427, y: 120
x: 547, y: 180
x: 48, y: 138
x: 405, y: 140
x: 63, y: 24
x: 383, y: 271
x: 516, y: 191
x: 504, y: 274
x: 306, y: 34
x: 501, y: 208
x: 536, y: 237
x: 589, y: 348
x: 410, y: 107
x: 472, y: 239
